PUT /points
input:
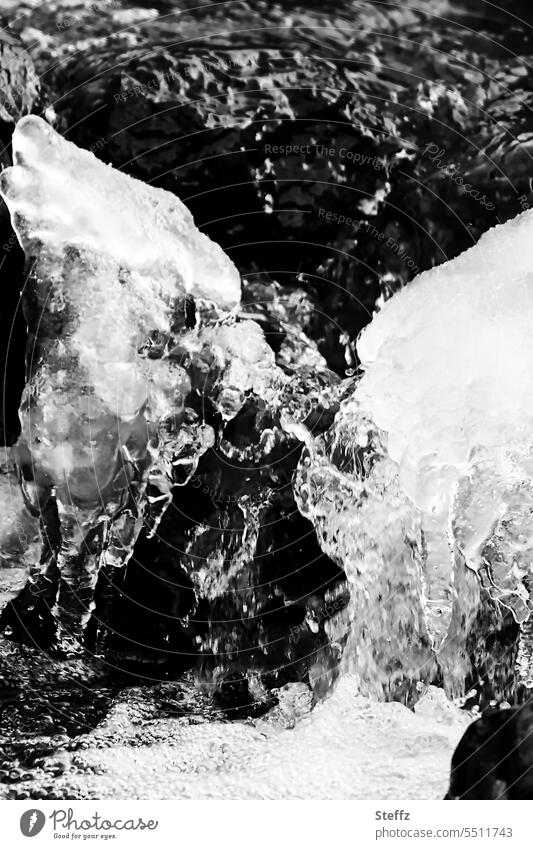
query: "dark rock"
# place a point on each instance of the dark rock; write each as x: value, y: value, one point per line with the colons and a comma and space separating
x: 494, y: 758
x: 19, y: 95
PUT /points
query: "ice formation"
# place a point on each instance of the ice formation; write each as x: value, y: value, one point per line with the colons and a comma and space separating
x: 447, y: 375
x: 444, y: 406
x: 447, y: 364
x: 110, y: 264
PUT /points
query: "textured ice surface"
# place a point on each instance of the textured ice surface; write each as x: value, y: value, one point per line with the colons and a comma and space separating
x: 237, y: 360
x: 106, y: 240
x: 447, y: 377
x: 110, y: 261
x: 411, y: 603
x: 429, y: 464
x: 447, y: 363
x: 63, y: 196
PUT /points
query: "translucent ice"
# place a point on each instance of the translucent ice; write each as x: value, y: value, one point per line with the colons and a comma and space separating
x: 113, y: 257
x: 348, y: 487
x: 448, y: 378
x: 110, y: 261
x: 62, y: 196
x: 447, y: 363
x: 429, y: 466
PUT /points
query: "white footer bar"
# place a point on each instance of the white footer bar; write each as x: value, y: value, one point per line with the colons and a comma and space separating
x: 266, y: 825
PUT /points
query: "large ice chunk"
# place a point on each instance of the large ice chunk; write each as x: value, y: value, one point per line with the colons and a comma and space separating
x: 429, y: 465
x: 110, y: 264
x: 447, y: 363
x: 61, y: 195
x: 447, y: 375
x: 112, y: 259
